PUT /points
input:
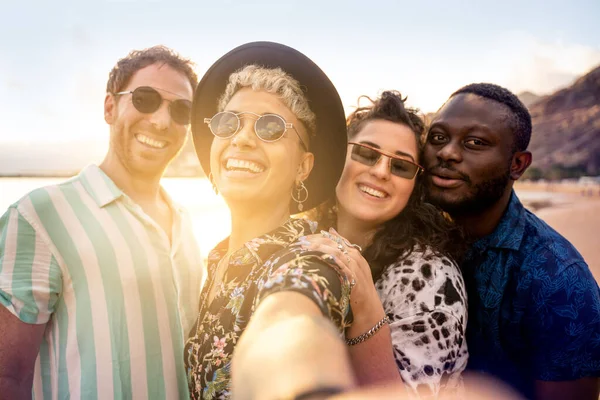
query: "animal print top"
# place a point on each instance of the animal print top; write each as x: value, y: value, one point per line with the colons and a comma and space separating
x: 424, y: 296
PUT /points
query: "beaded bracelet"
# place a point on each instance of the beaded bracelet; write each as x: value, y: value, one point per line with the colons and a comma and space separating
x: 369, y: 333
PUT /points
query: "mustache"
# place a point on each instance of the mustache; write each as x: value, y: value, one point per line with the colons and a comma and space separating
x: 443, y: 166
x: 145, y: 126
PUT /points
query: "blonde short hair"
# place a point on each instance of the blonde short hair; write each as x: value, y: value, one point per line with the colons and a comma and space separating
x: 275, y: 81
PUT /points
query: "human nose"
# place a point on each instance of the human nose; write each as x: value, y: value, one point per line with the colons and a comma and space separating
x: 451, y: 151
x: 161, y: 119
x: 381, y: 169
x: 245, y: 137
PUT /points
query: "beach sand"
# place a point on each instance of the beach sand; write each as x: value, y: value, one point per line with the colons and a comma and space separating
x: 574, y: 215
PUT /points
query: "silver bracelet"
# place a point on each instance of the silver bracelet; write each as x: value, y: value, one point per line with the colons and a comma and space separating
x: 369, y: 333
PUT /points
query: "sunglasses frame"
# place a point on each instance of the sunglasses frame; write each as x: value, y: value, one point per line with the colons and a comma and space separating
x: 390, y: 157
x: 132, y: 92
x: 286, y: 125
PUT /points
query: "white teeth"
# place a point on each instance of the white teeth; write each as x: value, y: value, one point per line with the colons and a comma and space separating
x: 372, y: 192
x: 157, y: 144
x: 233, y: 163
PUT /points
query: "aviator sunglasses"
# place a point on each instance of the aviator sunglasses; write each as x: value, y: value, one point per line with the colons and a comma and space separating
x: 268, y: 127
x: 147, y: 100
x: 367, y: 155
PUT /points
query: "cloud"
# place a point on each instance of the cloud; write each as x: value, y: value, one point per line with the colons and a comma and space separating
x: 524, y: 62
x: 516, y: 60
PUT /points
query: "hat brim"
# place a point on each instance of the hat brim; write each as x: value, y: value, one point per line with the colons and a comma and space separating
x: 330, y: 142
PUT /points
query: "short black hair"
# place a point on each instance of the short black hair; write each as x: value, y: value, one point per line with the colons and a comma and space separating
x: 519, y: 120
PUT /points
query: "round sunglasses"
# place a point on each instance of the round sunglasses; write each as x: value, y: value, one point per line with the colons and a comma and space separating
x: 147, y: 100
x: 267, y: 127
x: 367, y: 155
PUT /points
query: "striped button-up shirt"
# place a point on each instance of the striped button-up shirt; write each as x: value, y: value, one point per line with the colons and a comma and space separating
x: 117, y: 295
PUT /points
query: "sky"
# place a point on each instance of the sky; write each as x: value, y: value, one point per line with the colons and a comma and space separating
x: 55, y: 56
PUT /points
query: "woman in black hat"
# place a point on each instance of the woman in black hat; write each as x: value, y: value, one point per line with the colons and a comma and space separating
x: 269, y: 130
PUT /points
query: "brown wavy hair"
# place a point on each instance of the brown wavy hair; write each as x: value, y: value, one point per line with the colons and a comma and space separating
x: 127, y: 66
x: 420, y: 224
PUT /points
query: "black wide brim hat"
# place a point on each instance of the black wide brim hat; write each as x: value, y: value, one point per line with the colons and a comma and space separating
x: 328, y: 144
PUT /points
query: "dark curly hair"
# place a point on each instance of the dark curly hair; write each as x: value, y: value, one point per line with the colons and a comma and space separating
x: 420, y: 224
x: 122, y: 72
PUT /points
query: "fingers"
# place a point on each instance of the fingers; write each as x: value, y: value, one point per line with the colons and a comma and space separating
x: 350, y: 261
x: 345, y: 241
x: 342, y: 268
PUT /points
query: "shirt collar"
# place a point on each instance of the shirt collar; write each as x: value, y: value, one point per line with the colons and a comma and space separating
x: 104, y: 191
x: 509, y: 232
x: 259, y: 249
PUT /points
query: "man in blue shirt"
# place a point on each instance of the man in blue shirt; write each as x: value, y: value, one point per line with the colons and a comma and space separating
x: 534, y: 306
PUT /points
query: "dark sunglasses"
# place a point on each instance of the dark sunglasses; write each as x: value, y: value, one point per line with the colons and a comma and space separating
x: 368, y: 155
x: 147, y: 100
x: 268, y: 127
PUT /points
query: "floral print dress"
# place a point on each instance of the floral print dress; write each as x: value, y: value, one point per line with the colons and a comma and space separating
x: 263, y: 266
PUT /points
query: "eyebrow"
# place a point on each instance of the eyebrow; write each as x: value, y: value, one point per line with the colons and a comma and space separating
x: 467, y: 129
x: 398, y: 152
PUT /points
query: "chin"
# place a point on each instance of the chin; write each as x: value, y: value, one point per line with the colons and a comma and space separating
x: 371, y: 217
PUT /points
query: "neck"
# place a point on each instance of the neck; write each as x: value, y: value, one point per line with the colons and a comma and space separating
x: 356, y: 231
x: 480, y: 224
x: 249, y: 223
x: 141, y: 189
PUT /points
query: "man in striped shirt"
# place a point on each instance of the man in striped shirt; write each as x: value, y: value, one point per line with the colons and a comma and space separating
x: 100, y: 275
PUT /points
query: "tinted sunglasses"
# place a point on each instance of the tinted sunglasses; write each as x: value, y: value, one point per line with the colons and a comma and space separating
x: 267, y: 127
x: 368, y: 155
x: 147, y: 100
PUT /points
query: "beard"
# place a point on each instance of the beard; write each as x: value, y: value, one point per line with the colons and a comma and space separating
x: 478, y: 197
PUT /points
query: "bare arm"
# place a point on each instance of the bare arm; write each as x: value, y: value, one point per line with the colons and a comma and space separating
x: 19, y: 347
x: 373, y: 360
x: 25, y: 262
x: 288, y: 348
x: 580, y: 389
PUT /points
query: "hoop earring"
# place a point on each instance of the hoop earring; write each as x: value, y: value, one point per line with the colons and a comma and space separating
x: 302, y: 192
x: 212, y: 182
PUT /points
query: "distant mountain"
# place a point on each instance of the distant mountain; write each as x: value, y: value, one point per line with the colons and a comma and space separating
x: 529, y: 98
x: 566, y: 127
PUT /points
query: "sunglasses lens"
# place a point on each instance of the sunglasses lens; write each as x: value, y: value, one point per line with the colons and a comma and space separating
x: 146, y: 100
x: 403, y: 169
x: 224, y: 124
x: 180, y: 111
x: 270, y: 127
x: 364, y: 155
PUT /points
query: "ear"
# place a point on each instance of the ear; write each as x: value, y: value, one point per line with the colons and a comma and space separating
x: 306, y: 165
x: 521, y: 160
x: 110, y: 108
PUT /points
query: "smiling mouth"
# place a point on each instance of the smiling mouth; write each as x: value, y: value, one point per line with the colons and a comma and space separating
x: 234, y: 164
x: 372, y: 192
x: 155, y: 144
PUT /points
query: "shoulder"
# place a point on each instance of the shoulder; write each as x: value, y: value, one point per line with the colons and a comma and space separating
x: 33, y: 203
x: 43, y: 209
x: 544, y: 248
x: 295, y: 257
x: 421, y: 282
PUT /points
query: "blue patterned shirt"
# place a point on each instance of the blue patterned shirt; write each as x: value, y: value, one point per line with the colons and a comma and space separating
x: 534, y: 306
